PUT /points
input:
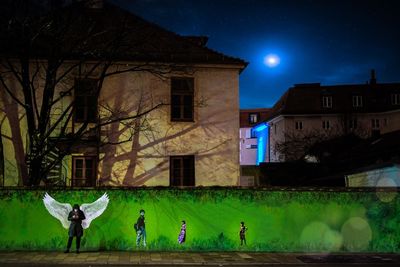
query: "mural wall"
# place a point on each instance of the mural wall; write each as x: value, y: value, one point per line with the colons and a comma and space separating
x: 276, y: 220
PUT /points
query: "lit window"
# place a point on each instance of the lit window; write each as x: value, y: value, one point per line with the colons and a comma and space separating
x: 327, y: 101
x: 299, y: 125
x: 325, y: 125
x: 357, y: 101
x: 395, y: 99
x: 253, y: 118
x: 375, y: 123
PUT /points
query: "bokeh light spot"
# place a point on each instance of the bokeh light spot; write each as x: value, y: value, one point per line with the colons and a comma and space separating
x: 356, y: 234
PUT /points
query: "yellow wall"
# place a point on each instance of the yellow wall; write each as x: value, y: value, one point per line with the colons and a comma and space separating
x: 212, y: 137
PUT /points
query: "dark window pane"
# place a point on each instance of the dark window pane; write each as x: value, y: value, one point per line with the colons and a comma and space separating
x: 188, y: 100
x: 78, y: 173
x: 187, y: 113
x: 176, y: 112
x: 88, y: 173
x: 89, y: 163
x: 176, y: 100
x: 79, y: 163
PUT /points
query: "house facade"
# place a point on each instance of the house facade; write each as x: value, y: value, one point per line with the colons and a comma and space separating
x: 311, y: 112
x: 167, y: 116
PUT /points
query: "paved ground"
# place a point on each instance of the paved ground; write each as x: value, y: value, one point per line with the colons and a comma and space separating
x: 92, y: 259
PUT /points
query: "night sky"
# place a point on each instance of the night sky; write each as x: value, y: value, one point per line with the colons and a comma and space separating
x: 331, y: 42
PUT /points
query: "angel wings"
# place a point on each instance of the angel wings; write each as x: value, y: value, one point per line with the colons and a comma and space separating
x: 61, y: 210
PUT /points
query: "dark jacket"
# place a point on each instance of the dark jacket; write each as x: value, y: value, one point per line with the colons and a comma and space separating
x: 75, y: 228
x: 140, y: 223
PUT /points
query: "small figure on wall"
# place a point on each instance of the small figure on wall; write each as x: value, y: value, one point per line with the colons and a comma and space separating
x: 242, y: 233
x: 140, y: 227
x: 182, y: 233
x: 76, y: 216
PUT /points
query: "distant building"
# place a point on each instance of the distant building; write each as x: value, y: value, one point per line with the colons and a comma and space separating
x: 311, y: 111
x: 379, y: 175
x: 248, y: 139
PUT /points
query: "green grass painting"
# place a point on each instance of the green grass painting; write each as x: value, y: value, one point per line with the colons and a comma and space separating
x: 281, y: 221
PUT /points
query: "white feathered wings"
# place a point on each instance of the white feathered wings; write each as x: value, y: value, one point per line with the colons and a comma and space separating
x: 61, y: 210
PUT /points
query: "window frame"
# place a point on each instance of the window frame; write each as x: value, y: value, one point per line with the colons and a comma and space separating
x: 326, y: 124
x: 257, y: 116
x: 353, y: 123
x: 86, y: 107
x: 182, y: 181
x: 395, y: 99
x: 357, y: 101
x: 327, y: 101
x: 298, y: 125
x: 375, y: 124
x: 182, y: 93
x: 89, y: 182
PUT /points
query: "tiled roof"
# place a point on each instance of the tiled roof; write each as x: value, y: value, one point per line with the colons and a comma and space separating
x: 140, y: 39
x: 304, y: 99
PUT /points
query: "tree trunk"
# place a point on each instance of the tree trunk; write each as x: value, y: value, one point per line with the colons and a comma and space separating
x: 35, y: 171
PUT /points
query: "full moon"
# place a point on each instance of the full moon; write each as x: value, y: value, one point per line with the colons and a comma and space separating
x: 271, y: 60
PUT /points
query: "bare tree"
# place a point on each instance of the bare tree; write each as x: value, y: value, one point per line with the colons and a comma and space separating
x: 43, y: 58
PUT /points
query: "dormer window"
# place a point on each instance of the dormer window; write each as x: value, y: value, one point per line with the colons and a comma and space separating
x: 395, y: 99
x: 253, y: 118
x: 327, y: 101
x: 357, y: 101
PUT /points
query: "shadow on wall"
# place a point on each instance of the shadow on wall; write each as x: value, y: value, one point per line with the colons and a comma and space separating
x: 15, y: 171
x: 145, y: 144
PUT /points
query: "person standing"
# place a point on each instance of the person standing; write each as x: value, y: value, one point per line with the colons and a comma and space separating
x: 76, y: 216
x: 242, y: 233
x: 182, y: 233
x: 140, y: 228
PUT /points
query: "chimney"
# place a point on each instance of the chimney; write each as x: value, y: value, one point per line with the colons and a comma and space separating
x: 373, y: 78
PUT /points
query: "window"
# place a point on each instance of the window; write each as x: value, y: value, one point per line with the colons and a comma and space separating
x: 182, y: 171
x: 85, y: 105
x: 375, y: 123
x: 327, y: 101
x: 253, y: 118
x: 253, y: 134
x: 353, y: 123
x: 251, y: 146
x: 182, y: 99
x: 357, y: 101
x: 325, y: 125
x: 83, y: 171
x: 395, y: 99
x: 299, y: 125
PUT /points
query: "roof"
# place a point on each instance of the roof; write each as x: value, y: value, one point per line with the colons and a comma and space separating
x: 245, y: 113
x: 304, y: 99
x: 138, y: 39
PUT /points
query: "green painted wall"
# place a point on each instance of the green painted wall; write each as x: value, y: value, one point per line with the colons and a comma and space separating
x: 277, y: 220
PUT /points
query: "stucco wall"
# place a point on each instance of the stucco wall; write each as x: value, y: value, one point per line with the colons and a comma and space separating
x: 213, y: 136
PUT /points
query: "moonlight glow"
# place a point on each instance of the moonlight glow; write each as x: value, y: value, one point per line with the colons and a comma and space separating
x: 271, y: 60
